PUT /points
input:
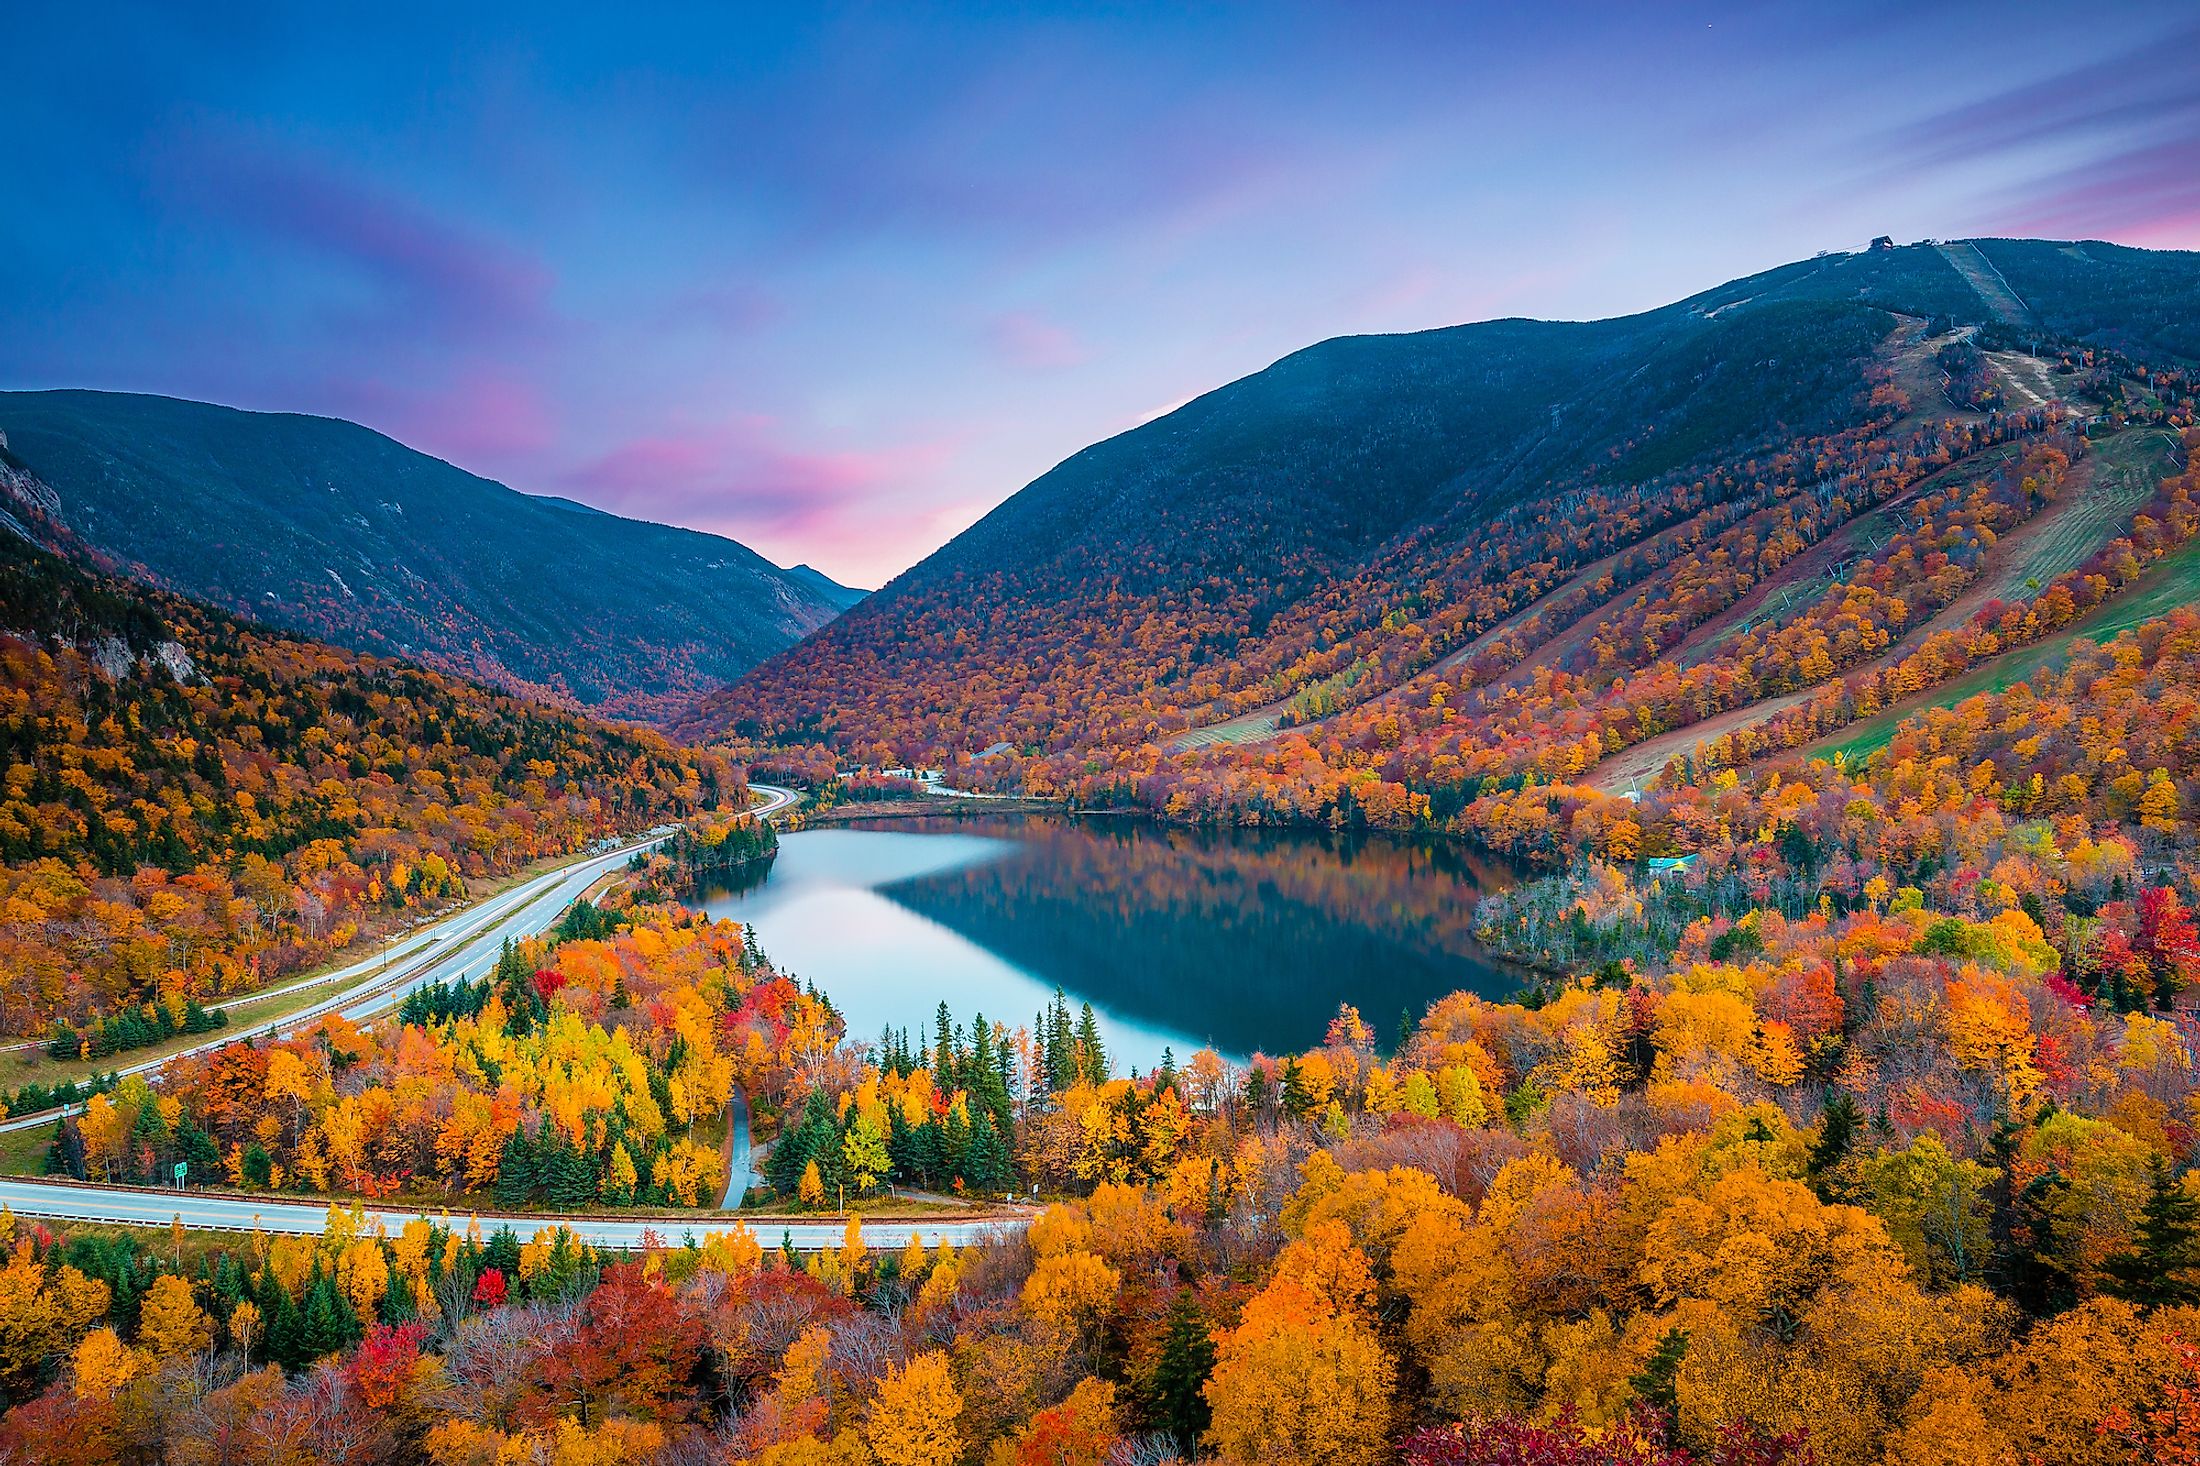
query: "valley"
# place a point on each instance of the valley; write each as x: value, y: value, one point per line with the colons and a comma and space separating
x: 1455, y: 838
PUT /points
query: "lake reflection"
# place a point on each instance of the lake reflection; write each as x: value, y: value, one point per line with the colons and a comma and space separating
x: 1234, y: 940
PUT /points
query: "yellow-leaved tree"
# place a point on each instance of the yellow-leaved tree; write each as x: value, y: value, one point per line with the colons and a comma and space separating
x: 1303, y: 1377
x: 915, y: 1420
x: 171, y: 1321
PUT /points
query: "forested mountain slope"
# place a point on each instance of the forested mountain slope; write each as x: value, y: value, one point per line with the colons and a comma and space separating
x: 1312, y: 537
x: 334, y: 530
x: 192, y: 804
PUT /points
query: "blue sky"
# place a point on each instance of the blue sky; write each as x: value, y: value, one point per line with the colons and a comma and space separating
x: 836, y: 280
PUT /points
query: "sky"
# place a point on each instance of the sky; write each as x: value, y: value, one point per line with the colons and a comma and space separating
x: 836, y: 280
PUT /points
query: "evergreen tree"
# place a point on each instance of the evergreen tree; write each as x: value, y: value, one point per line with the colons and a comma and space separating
x: 196, y: 1149
x: 955, y: 1136
x: 1836, y: 1140
x: 1092, y: 1054
x: 990, y: 1167
x: 284, y: 1325
x: 943, y: 1049
x: 1256, y: 1091
x: 929, y: 1151
x: 1654, y: 1384
x: 1061, y: 1046
x: 569, y: 1178
x: 398, y: 1305
x: 514, y: 1188
x: 1296, y: 1099
x: 1187, y: 1358
x: 986, y: 1083
x: 2036, y: 1266
x: 65, y: 1157
x: 900, y: 1142
x: 330, y: 1323
x: 502, y: 1253
x: 2157, y: 1270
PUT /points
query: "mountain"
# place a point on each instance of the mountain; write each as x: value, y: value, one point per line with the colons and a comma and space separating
x: 329, y: 528
x: 1279, y: 537
x: 841, y: 596
x: 195, y: 799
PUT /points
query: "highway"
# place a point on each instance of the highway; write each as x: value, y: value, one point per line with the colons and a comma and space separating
x: 145, y: 1207
x: 463, y: 944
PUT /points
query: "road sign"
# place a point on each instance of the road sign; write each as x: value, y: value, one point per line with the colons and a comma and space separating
x: 181, y: 1168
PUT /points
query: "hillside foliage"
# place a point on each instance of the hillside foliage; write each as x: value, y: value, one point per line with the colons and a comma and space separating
x: 193, y: 805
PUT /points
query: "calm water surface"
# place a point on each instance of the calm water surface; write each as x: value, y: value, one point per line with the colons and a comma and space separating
x: 1234, y: 940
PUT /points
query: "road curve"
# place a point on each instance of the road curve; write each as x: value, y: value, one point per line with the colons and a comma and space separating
x: 460, y: 945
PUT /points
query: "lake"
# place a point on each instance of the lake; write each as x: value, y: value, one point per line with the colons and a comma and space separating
x: 1235, y: 940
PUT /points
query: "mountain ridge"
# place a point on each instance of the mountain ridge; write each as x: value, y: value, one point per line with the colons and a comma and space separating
x: 331, y: 529
x: 1227, y: 553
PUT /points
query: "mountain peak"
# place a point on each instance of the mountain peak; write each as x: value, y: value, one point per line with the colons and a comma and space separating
x: 332, y: 529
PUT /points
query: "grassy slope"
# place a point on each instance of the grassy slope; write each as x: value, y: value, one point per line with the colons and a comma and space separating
x: 2173, y: 582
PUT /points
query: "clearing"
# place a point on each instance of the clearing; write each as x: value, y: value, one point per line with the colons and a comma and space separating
x: 2113, y: 481
x: 2008, y: 307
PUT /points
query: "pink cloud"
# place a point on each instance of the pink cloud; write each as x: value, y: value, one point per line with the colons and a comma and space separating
x: 839, y: 509
x: 1029, y: 340
x: 486, y: 415
x: 430, y: 273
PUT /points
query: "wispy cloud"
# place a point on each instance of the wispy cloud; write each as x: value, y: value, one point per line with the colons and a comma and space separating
x: 2105, y: 146
x: 423, y: 274
x: 742, y: 477
x: 1030, y: 340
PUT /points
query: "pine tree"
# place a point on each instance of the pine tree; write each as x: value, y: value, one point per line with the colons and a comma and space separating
x: 900, y: 1143
x: 285, y: 1326
x: 1093, y: 1056
x: 990, y: 1167
x: 2157, y: 1270
x: 955, y: 1146
x: 330, y: 1323
x: 1256, y: 1090
x: 570, y: 1178
x: 502, y: 1253
x: 943, y: 1049
x: 1654, y: 1385
x: 65, y: 1157
x: 196, y: 1149
x: 1061, y: 1046
x: 514, y: 1188
x: 398, y: 1305
x: 1174, y: 1397
x: 1836, y: 1139
x: 929, y: 1151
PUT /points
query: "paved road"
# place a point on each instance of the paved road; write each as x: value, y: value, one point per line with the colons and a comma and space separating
x: 741, y: 1155
x: 123, y: 1206
x: 462, y: 945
